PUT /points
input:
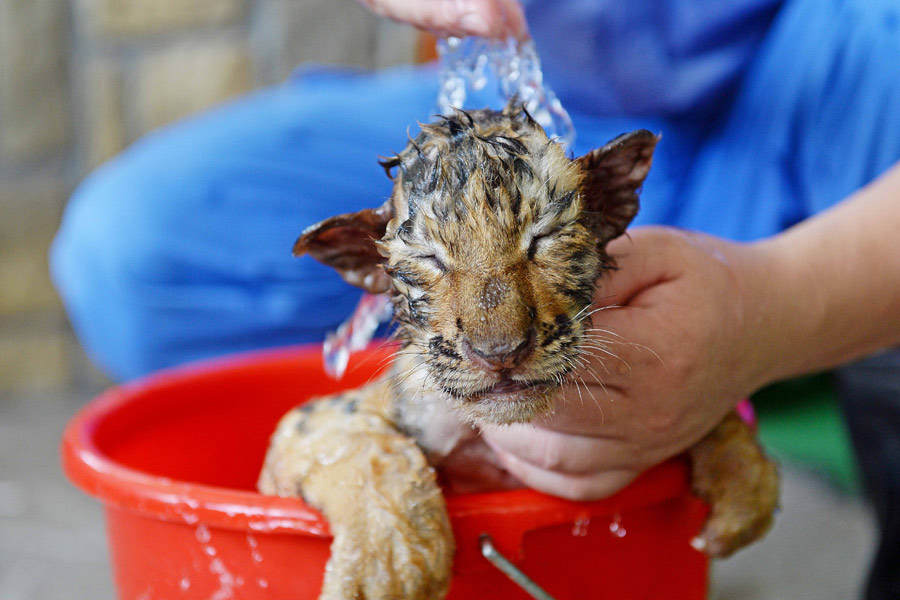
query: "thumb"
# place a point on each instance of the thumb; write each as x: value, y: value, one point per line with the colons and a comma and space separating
x: 618, y: 286
x: 642, y: 259
x: 622, y: 322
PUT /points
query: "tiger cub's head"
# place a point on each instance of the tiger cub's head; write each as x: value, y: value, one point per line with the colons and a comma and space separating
x: 491, y: 244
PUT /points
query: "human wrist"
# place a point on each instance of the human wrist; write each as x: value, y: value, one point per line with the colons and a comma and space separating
x: 785, y: 312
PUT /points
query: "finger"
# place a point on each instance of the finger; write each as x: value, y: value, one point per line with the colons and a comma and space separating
x: 646, y: 257
x: 608, y: 349
x: 615, y: 287
x: 619, y: 353
x: 488, y: 18
x: 551, y: 450
x: 584, y: 412
x: 514, y: 18
x: 572, y: 487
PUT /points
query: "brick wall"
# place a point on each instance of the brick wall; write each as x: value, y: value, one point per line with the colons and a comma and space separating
x: 81, y: 79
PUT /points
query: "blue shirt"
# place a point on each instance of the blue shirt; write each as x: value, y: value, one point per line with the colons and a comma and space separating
x: 647, y: 58
x: 769, y: 112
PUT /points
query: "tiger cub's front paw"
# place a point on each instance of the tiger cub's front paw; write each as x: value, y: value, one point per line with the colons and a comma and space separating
x: 389, y: 558
x: 392, y: 535
x: 732, y: 474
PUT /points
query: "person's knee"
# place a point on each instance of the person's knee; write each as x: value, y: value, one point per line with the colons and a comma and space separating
x: 161, y: 262
x: 106, y: 242
x: 180, y: 248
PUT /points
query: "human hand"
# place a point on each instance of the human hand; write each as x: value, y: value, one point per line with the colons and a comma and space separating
x: 675, y: 350
x: 485, y: 18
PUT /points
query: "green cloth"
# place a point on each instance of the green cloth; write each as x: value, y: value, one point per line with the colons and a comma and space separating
x: 801, y: 421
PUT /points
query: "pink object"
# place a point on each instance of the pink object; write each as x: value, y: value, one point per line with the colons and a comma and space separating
x: 746, y: 412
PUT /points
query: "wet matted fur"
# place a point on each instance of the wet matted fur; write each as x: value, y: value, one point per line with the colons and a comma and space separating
x: 490, y: 246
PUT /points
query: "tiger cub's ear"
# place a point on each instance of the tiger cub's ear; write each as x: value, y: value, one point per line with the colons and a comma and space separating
x: 613, y: 175
x: 347, y: 243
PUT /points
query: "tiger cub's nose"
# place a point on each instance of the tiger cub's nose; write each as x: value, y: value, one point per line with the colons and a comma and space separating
x: 498, y: 354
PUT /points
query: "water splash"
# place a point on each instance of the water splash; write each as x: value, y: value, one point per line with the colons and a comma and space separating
x: 471, y: 63
x: 274, y: 524
x: 355, y: 333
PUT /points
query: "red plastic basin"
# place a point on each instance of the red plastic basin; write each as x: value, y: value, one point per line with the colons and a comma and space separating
x: 174, y: 459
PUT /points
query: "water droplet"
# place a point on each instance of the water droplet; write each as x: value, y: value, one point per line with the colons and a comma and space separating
x: 209, y: 550
x: 254, y: 552
x: 615, y: 526
x: 184, y: 584
x: 263, y: 583
x: 202, y: 533
x: 580, y: 527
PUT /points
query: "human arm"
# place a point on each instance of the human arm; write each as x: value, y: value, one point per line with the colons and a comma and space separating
x: 847, y: 262
x: 487, y: 18
x: 705, y: 322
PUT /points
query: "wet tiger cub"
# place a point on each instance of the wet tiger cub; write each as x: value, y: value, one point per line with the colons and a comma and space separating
x: 490, y: 247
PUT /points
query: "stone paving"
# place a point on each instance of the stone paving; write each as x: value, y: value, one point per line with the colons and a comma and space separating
x: 52, y: 539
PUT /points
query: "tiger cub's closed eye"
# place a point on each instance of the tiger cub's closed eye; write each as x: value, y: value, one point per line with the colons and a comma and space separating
x: 538, y: 240
x: 434, y: 261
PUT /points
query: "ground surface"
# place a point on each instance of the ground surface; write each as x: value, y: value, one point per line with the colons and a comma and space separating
x: 52, y: 544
